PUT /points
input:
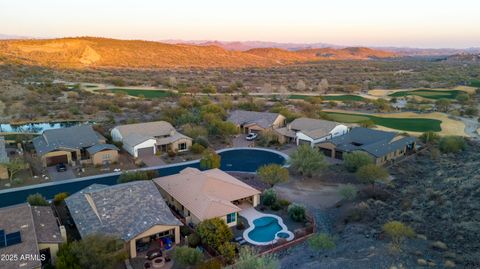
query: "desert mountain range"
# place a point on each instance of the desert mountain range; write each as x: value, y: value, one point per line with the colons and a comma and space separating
x: 102, y: 52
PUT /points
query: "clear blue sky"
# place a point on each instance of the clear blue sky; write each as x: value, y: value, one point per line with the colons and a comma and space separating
x: 415, y: 23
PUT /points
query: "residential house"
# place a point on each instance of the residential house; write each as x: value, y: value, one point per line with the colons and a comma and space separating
x: 382, y: 146
x: 3, y: 159
x: 30, y: 232
x: 134, y: 212
x: 255, y: 122
x: 145, y: 139
x: 71, y: 145
x: 201, y: 195
x: 310, y: 131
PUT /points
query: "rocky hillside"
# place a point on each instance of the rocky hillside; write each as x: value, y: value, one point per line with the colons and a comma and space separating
x: 102, y: 52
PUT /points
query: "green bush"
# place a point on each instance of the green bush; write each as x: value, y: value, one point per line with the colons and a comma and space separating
x: 307, y: 160
x: 355, y: 160
x: 348, y: 191
x: 273, y: 174
x: 248, y: 258
x: 227, y: 250
x: 201, y: 140
x: 296, y: 212
x: 186, y: 256
x: 321, y: 241
x: 283, y: 203
x: 275, y: 206
x: 214, y: 232
x: 269, y: 197
x: 398, y: 232
x: 429, y: 137
x: 37, y: 200
x: 197, y: 148
x: 184, y: 231
x: 59, y: 197
x: 210, y: 159
x: 137, y: 175
x: 193, y: 240
x: 452, y: 144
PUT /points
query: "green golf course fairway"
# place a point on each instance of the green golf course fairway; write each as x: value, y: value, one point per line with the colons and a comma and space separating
x: 403, y: 124
x: 346, y: 97
x: 475, y: 83
x: 430, y: 94
x: 145, y: 93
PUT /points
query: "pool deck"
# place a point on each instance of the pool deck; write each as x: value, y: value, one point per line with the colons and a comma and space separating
x: 251, y: 214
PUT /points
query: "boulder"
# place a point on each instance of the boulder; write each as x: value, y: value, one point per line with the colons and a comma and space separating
x: 449, y: 264
x: 439, y: 245
x: 422, y: 262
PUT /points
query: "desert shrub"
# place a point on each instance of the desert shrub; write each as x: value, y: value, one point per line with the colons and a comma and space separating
x: 296, y: 212
x: 210, y: 159
x: 276, y: 206
x: 307, y: 160
x: 37, y: 200
x: 201, y: 140
x: 171, y: 153
x: 429, y: 137
x: 355, y: 160
x: 194, y: 131
x: 273, y: 174
x: 367, y: 123
x: 269, y: 197
x: 321, y: 241
x: 452, y: 144
x: 283, y: 202
x: 186, y: 256
x: 227, y: 250
x: 59, y: 197
x: 197, y: 148
x: 371, y: 174
x: 267, y: 138
x: 137, y: 175
x: 210, y: 264
x: 249, y: 259
x: 397, y: 232
x: 348, y: 191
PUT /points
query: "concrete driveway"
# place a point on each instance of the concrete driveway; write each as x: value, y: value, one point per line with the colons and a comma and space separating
x: 58, y: 176
x: 240, y: 141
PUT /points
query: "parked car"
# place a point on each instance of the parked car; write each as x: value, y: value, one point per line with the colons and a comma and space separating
x: 251, y: 136
x: 61, y: 167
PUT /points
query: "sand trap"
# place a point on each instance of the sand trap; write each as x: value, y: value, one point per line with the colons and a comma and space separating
x: 385, y: 93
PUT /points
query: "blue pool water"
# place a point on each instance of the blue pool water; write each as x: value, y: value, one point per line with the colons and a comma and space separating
x: 265, y: 229
x: 36, y: 128
x: 242, y: 160
x: 283, y: 235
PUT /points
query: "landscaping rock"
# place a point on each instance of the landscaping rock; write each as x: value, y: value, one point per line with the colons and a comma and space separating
x: 422, y: 262
x: 438, y: 245
x: 449, y: 264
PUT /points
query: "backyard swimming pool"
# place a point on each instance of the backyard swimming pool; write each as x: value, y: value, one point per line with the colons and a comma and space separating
x: 232, y: 159
x: 264, y: 229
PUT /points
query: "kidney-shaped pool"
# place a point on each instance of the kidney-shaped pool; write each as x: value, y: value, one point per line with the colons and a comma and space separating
x: 232, y: 159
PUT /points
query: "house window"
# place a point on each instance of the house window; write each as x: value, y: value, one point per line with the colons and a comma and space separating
x: 182, y: 146
x: 106, y: 156
x: 231, y: 217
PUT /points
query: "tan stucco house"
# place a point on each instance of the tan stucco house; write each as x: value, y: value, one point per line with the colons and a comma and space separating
x: 201, y: 195
x: 310, y: 131
x: 148, y: 138
x: 256, y: 122
x: 382, y: 146
x: 29, y: 230
x: 134, y: 212
x: 74, y: 145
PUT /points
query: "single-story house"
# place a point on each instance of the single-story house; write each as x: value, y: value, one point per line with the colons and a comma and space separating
x: 255, y: 122
x: 310, y: 131
x: 3, y: 159
x: 382, y: 146
x: 200, y: 195
x: 134, y: 212
x: 31, y: 231
x: 71, y: 145
x: 145, y: 139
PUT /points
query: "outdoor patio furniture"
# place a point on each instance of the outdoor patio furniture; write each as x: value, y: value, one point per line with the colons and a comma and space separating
x: 242, y: 242
x: 238, y: 239
x: 154, y: 253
